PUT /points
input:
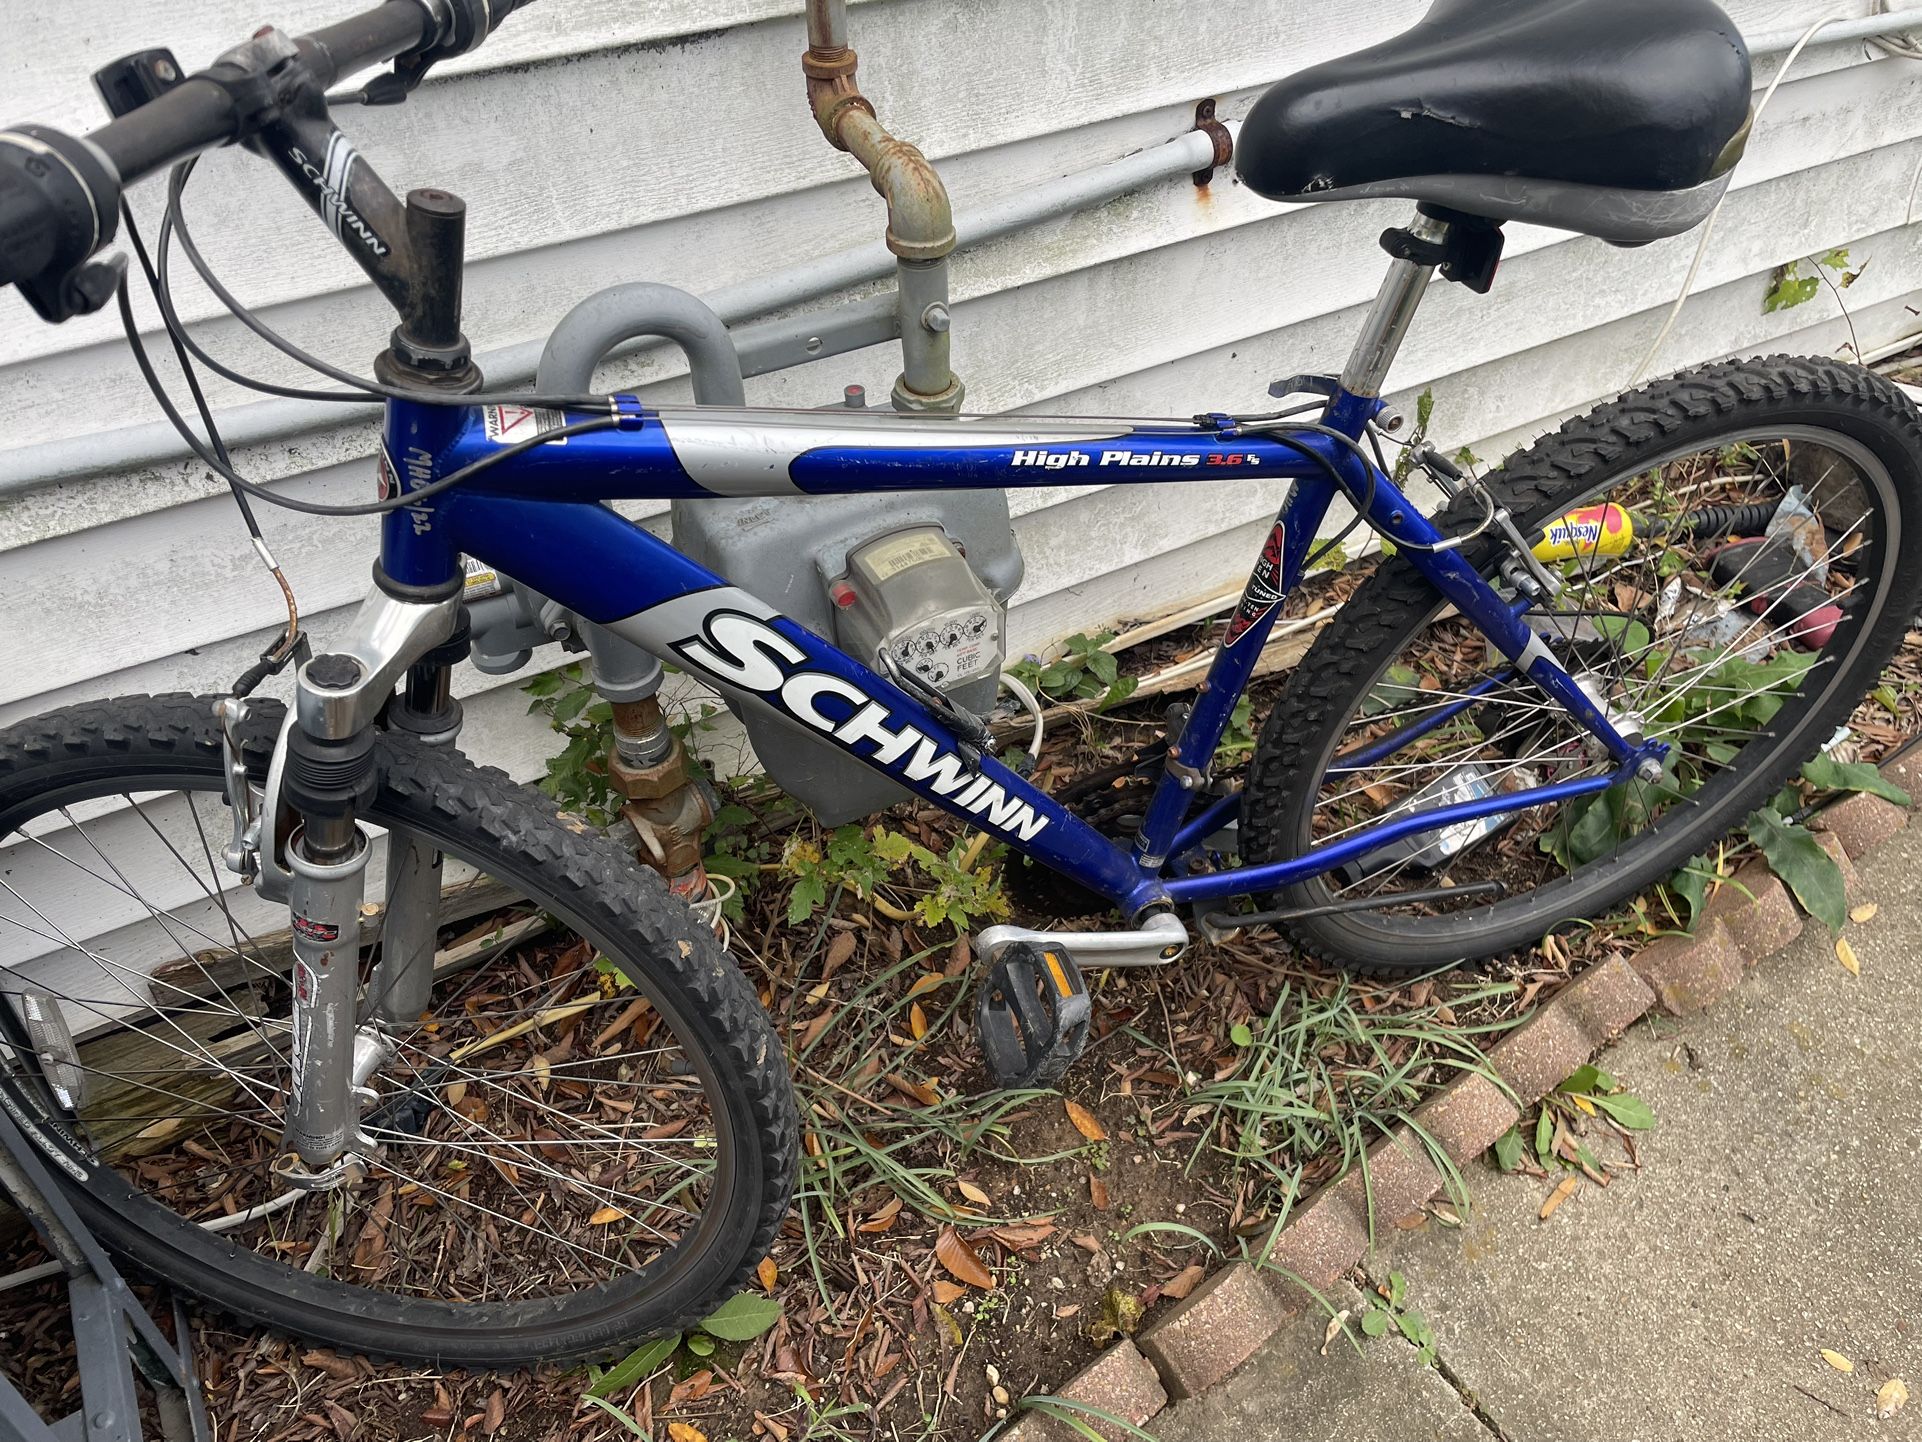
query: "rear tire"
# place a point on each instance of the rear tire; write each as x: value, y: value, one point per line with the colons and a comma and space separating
x: 1615, y: 445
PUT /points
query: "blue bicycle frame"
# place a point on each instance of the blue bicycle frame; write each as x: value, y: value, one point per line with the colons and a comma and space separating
x: 537, y: 516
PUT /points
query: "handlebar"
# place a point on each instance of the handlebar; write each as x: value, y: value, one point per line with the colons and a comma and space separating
x: 60, y: 194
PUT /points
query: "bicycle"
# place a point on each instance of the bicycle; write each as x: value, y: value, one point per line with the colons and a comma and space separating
x: 1582, y: 671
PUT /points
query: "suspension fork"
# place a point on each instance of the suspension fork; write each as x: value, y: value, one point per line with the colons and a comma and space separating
x: 404, y: 975
x: 314, y: 853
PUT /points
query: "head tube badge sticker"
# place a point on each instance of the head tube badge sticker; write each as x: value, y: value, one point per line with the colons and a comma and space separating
x: 1264, y: 588
x: 509, y: 425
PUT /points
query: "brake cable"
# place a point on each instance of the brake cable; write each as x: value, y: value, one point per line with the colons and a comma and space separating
x: 293, y: 641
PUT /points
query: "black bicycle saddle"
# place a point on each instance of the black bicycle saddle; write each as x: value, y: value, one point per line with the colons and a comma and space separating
x: 1620, y: 118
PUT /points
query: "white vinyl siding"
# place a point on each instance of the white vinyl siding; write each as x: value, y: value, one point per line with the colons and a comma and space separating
x: 599, y: 141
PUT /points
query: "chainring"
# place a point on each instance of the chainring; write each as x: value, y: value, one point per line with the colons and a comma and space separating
x: 1114, y: 801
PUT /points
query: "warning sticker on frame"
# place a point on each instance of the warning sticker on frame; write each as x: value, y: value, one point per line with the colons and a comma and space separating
x: 509, y: 425
x: 482, y: 579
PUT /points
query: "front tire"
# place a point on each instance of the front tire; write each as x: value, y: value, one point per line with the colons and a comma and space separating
x: 67, y: 766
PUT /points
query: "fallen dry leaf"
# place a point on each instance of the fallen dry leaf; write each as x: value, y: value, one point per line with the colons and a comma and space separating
x: 1845, y: 954
x: 339, y: 1368
x: 1865, y: 912
x: 1335, y: 1324
x: 1120, y: 1315
x: 931, y: 981
x: 1837, y: 1361
x: 685, y: 1432
x: 1020, y: 1236
x: 767, y: 1274
x: 1184, y: 1281
x: 1097, y: 1193
x: 606, y: 1215
x: 839, y: 950
x: 917, y: 1090
x: 1085, y: 1121
x: 882, y: 1219
x: 1889, y: 1400
x: 494, y: 1413
x: 960, y: 1261
x: 1561, y: 1194
x: 946, y: 1318
x: 811, y: 1032
x: 946, y: 1291
x: 973, y: 1194
x: 917, y: 1021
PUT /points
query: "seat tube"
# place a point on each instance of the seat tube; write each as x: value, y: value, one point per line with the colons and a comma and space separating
x: 1384, y: 331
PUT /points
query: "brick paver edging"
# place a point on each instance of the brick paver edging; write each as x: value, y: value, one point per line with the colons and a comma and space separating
x: 1202, y: 1339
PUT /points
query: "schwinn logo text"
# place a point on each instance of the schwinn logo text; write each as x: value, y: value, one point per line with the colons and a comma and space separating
x: 330, y: 180
x: 1068, y: 460
x: 745, y: 651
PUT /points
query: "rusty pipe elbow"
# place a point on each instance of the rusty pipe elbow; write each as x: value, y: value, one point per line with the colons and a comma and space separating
x: 920, y: 216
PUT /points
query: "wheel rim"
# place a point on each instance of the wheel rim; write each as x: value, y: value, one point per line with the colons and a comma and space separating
x: 1677, y: 708
x: 436, y: 1156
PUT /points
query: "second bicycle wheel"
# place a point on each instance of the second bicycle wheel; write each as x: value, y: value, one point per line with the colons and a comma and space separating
x: 1756, y: 569
x: 586, y: 1138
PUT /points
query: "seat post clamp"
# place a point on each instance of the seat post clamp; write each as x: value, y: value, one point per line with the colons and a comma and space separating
x: 1468, y: 253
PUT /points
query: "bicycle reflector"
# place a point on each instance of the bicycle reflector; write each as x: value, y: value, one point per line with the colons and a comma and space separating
x: 52, y: 1043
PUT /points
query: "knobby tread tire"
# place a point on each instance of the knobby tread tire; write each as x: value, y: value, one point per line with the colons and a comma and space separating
x: 1537, y: 484
x: 572, y: 864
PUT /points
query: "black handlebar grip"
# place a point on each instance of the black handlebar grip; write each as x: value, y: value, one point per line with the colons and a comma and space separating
x: 501, y: 9
x: 59, y: 203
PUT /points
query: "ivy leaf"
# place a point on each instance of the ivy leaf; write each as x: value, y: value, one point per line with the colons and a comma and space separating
x: 1627, y: 1109
x: 643, y: 1361
x: 742, y: 1317
x: 1798, y: 858
x: 1508, y: 1150
x: 1691, y: 884
x: 1587, y: 1079
x: 1832, y: 775
x: 810, y: 894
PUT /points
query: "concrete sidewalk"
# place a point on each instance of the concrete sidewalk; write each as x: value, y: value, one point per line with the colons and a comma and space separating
x: 1778, y: 1212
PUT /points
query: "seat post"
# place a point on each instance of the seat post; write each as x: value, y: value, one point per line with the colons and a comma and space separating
x: 1393, y: 312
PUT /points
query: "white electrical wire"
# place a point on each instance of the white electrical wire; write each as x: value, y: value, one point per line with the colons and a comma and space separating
x: 720, y: 891
x: 1032, y: 706
x: 43, y: 1270
x: 1902, y: 46
x: 1708, y: 226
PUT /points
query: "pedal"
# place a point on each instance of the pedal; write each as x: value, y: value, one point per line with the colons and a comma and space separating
x: 1032, y: 1014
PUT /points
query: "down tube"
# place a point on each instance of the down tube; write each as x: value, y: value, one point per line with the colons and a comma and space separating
x: 608, y: 569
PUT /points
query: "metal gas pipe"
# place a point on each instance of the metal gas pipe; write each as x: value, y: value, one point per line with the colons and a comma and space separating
x: 920, y: 219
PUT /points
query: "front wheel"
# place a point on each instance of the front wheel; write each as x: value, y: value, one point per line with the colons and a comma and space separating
x: 586, y: 1138
x: 1755, y: 573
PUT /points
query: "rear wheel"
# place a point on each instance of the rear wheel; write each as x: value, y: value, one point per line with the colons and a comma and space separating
x: 1401, y: 705
x: 586, y: 1138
